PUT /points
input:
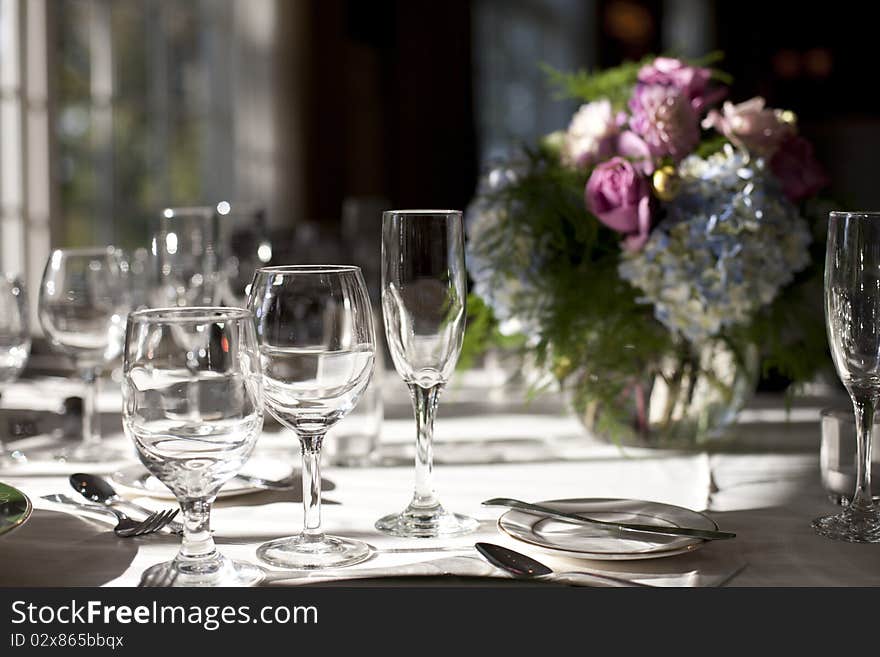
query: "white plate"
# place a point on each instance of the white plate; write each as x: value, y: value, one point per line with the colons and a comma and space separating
x: 586, y: 542
x: 136, y: 480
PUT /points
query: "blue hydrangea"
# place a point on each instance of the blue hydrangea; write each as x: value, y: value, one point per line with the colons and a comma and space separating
x: 728, y: 243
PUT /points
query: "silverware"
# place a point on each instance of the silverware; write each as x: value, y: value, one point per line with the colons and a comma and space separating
x: 125, y: 527
x: 706, y: 534
x: 97, y: 489
x: 286, y: 483
x: 520, y: 565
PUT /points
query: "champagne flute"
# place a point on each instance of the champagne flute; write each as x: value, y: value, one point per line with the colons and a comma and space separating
x: 194, y: 443
x: 82, y: 309
x: 423, y: 303
x: 15, y: 345
x: 852, y: 315
x: 316, y: 340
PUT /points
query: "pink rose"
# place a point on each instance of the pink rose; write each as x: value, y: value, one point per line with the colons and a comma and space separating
x: 751, y: 126
x: 797, y: 168
x: 629, y: 145
x: 692, y: 81
x: 620, y: 197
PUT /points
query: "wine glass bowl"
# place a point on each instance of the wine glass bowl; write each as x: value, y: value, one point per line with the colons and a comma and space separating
x: 423, y: 303
x: 82, y: 309
x: 186, y: 256
x: 852, y: 315
x: 194, y: 418
x: 316, y: 348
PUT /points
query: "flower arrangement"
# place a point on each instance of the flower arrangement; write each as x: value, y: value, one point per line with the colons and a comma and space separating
x: 656, y: 253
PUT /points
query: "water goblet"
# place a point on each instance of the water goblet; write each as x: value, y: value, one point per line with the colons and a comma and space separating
x: 852, y: 317
x: 316, y: 341
x: 423, y: 303
x: 194, y: 418
x: 83, y: 305
x: 15, y: 345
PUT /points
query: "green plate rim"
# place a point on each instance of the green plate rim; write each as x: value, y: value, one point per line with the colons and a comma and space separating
x: 29, y: 509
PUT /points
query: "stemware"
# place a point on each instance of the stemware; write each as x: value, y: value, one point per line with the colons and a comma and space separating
x: 852, y: 316
x: 15, y: 345
x: 194, y: 412
x: 82, y: 309
x: 244, y: 236
x: 185, y: 250
x: 423, y: 303
x: 316, y: 339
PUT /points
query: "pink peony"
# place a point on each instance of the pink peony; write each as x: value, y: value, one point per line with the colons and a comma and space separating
x: 620, y: 197
x: 590, y: 135
x: 691, y: 81
x: 797, y: 168
x: 751, y: 126
x: 664, y: 119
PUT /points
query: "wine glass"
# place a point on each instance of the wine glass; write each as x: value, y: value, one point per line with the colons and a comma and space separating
x: 185, y: 251
x: 852, y: 315
x: 246, y: 246
x: 423, y: 303
x: 82, y: 309
x: 15, y: 345
x: 194, y: 417
x: 316, y: 338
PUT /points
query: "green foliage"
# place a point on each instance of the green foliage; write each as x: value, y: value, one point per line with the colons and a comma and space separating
x: 613, y: 83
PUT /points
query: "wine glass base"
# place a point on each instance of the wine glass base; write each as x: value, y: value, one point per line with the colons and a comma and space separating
x: 219, y: 571
x: 298, y: 553
x: 98, y: 453
x: 426, y: 523
x: 854, y: 526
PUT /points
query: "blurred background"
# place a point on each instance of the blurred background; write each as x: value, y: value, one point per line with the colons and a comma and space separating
x: 323, y: 113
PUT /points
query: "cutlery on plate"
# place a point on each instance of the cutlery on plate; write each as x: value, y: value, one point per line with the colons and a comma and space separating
x: 125, y: 527
x: 97, y: 489
x: 523, y: 566
x: 706, y: 534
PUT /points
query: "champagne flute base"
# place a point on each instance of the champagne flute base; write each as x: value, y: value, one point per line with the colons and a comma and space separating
x: 304, y: 553
x: 217, y: 571
x: 851, y: 525
x: 426, y: 523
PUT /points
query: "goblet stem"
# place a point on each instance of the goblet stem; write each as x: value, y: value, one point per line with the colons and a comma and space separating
x: 198, y: 544
x: 864, y: 412
x: 311, y: 487
x: 425, y: 406
x: 91, y: 427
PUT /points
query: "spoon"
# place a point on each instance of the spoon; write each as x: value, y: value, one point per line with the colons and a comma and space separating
x: 97, y: 489
x: 523, y: 566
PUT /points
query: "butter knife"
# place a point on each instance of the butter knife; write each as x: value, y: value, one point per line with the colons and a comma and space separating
x: 705, y: 534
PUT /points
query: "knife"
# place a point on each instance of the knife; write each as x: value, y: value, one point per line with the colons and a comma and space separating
x: 705, y: 534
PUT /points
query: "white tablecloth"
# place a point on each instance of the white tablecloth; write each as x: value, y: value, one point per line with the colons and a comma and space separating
x: 764, y: 486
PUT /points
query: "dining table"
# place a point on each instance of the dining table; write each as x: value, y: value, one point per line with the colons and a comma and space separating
x: 760, y: 480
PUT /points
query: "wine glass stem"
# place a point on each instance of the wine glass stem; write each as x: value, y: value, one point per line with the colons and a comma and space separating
x: 864, y: 411
x: 91, y: 427
x: 197, y: 544
x: 311, y: 487
x: 425, y: 407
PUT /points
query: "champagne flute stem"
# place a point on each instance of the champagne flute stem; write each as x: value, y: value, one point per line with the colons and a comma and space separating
x: 197, y: 544
x: 425, y: 407
x: 91, y: 427
x: 311, y: 487
x: 864, y: 412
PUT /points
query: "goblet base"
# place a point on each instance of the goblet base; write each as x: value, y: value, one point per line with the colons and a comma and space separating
x: 430, y: 522
x: 852, y: 525
x: 217, y: 571
x: 92, y: 453
x: 305, y: 553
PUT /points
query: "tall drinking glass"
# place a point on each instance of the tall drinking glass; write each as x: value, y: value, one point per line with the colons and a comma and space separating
x: 185, y: 250
x: 423, y: 303
x: 194, y: 412
x: 852, y: 315
x: 15, y: 345
x: 316, y: 337
x: 83, y: 305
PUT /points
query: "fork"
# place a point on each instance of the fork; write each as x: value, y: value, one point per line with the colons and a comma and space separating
x: 127, y: 528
